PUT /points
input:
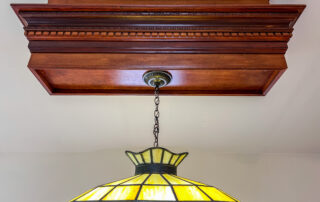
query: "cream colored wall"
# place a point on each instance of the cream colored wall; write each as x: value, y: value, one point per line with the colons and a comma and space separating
x: 35, y: 177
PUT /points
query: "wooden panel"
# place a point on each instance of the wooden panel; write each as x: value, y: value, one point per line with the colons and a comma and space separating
x: 187, y: 81
x: 75, y: 2
x: 157, y: 61
x: 202, y: 74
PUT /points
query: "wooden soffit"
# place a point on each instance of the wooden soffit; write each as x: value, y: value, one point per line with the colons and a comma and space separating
x: 211, y: 47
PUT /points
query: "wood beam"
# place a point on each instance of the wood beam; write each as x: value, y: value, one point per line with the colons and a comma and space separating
x: 104, y: 48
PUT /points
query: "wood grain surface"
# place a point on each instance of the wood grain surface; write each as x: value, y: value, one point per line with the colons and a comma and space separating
x: 211, y: 47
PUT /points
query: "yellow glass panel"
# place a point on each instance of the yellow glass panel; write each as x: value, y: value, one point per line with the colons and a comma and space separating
x: 147, y: 156
x: 96, y: 194
x: 156, y: 179
x: 121, y: 181
x: 157, y: 155
x: 138, y: 156
x: 174, y: 158
x: 138, y: 180
x: 166, y: 157
x: 132, y: 158
x: 175, y: 181
x: 190, y: 193
x: 191, y: 181
x: 216, y: 195
x: 123, y: 193
x: 157, y: 193
x: 180, y: 159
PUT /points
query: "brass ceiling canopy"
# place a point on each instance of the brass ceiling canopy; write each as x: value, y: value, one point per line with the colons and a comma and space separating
x: 157, y: 78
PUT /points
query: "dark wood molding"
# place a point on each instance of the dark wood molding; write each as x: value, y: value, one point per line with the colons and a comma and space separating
x: 212, y: 47
x: 157, y: 47
x: 146, y: 2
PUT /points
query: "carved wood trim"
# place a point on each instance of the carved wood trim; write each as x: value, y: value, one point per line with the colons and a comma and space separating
x: 138, y: 35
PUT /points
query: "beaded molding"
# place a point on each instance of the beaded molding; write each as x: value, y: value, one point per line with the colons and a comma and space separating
x: 147, y: 34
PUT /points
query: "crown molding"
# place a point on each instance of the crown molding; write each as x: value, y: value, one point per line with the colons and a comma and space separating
x: 159, y: 31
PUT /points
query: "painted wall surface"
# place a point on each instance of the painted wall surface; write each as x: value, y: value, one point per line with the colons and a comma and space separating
x: 48, y: 177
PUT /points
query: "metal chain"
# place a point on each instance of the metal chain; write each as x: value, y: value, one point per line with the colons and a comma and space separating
x: 156, y: 129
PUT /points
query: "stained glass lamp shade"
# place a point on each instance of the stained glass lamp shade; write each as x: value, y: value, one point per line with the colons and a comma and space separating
x: 155, y: 180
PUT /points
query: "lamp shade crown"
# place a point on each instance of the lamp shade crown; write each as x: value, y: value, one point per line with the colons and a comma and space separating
x: 156, y: 160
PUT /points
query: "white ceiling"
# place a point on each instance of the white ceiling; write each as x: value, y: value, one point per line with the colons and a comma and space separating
x: 286, y: 120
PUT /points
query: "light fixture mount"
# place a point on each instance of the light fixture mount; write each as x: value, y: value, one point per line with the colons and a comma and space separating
x: 154, y: 78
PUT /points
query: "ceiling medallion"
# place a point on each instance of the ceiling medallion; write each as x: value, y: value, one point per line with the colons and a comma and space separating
x: 155, y: 177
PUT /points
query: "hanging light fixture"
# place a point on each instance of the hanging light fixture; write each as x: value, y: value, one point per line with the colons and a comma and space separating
x: 155, y: 178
